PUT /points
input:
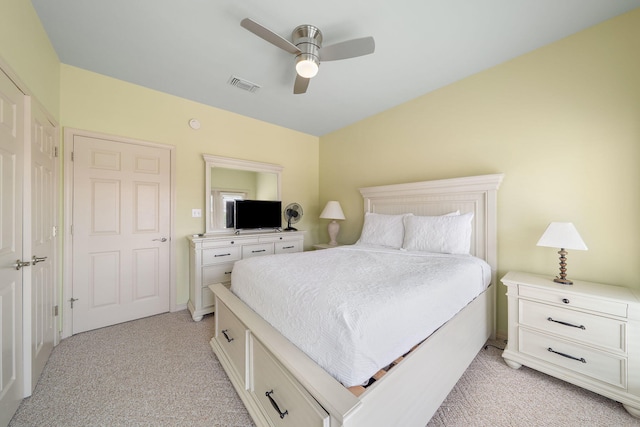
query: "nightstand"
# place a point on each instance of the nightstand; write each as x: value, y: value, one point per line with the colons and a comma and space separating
x: 587, y: 334
x: 325, y: 246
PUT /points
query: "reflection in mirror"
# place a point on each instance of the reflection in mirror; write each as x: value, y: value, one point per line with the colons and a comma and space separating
x: 232, y: 179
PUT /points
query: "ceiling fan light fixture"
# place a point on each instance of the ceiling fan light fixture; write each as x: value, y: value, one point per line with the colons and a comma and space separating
x: 306, y: 44
x: 307, y: 65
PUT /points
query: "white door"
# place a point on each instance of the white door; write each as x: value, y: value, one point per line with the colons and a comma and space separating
x: 11, y: 170
x: 43, y: 213
x: 121, y: 231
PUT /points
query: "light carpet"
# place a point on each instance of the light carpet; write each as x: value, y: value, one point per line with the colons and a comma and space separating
x: 161, y: 371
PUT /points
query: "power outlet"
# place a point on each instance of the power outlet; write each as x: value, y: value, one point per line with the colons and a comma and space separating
x: 196, y: 213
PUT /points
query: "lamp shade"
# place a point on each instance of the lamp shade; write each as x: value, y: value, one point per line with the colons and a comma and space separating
x: 332, y: 211
x: 562, y: 235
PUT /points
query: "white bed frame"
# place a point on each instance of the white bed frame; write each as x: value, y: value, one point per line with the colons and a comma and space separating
x: 413, y: 390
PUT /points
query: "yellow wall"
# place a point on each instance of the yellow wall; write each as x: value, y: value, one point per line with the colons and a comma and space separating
x: 562, y: 123
x: 101, y: 104
x: 26, y: 49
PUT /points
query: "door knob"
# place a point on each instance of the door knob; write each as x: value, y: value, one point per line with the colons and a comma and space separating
x: 19, y: 264
x: 164, y: 239
x: 36, y: 259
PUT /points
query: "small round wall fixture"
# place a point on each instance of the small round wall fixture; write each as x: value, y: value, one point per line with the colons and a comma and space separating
x: 194, y: 124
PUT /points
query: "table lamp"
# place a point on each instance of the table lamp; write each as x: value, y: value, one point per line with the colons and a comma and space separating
x: 562, y: 235
x: 333, y: 211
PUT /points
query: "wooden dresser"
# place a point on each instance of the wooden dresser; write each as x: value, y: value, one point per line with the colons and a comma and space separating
x: 211, y: 260
x: 587, y: 334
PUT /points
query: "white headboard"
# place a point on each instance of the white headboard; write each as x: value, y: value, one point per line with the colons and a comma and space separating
x: 477, y: 194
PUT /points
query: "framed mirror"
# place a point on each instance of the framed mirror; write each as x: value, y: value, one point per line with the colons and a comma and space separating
x: 228, y: 179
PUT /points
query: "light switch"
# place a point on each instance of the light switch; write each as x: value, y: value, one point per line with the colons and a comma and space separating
x: 196, y: 213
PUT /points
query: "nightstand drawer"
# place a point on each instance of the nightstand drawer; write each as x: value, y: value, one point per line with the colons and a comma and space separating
x: 570, y: 299
x: 589, y: 362
x: 588, y: 328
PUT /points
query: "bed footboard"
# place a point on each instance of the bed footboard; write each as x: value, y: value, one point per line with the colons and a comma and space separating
x: 255, y: 355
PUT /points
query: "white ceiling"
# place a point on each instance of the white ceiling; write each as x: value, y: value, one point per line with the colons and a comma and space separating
x: 191, y: 48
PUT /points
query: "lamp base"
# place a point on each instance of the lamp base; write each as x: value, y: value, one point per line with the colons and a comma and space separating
x: 563, y: 269
x: 563, y: 281
x: 333, y: 229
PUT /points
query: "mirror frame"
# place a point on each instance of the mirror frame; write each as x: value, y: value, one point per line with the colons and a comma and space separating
x: 237, y: 164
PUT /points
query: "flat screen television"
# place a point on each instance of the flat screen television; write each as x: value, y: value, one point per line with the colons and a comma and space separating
x: 252, y: 214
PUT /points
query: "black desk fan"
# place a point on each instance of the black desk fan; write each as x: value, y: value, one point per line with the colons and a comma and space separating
x: 293, y: 214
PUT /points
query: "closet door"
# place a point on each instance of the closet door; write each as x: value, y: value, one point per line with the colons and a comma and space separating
x: 43, y: 214
x: 11, y: 279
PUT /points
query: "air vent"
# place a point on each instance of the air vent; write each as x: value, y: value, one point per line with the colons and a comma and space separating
x: 243, y: 84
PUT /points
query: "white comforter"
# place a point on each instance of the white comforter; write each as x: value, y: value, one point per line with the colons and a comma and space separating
x: 354, y: 309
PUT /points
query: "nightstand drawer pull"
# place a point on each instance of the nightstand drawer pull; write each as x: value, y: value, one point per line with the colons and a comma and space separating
x: 566, y: 324
x: 217, y: 255
x: 224, y: 332
x: 258, y: 251
x: 581, y: 359
x: 288, y: 247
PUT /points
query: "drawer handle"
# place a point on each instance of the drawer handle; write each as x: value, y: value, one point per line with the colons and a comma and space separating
x: 566, y: 324
x: 227, y: 272
x: 224, y: 332
x: 259, y: 250
x: 564, y: 300
x: 581, y: 359
x: 275, y: 405
x: 288, y: 247
x: 216, y: 256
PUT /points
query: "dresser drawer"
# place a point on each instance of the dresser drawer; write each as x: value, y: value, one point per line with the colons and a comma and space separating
x: 208, y: 299
x: 579, y: 326
x: 232, y: 334
x: 218, y: 255
x: 217, y: 273
x: 280, y: 237
x: 249, y: 251
x: 288, y: 247
x: 592, y: 363
x: 569, y: 299
x: 271, y: 386
x: 230, y: 241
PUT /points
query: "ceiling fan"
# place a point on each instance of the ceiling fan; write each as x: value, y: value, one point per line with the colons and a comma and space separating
x: 306, y: 45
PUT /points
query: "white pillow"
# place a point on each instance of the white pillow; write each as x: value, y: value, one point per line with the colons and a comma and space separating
x: 382, y: 230
x: 441, y: 234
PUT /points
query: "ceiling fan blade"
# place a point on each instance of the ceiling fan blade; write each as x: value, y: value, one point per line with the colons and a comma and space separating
x: 348, y: 49
x: 269, y: 36
x: 301, y: 85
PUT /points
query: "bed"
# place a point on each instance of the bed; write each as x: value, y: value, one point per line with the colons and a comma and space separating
x: 286, y: 384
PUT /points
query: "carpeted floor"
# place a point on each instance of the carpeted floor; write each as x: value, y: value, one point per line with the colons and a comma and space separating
x: 160, y: 371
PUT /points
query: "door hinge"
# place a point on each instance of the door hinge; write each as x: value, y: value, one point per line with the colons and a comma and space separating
x: 55, y: 151
x: 54, y: 232
x: 55, y: 310
x: 72, y: 156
